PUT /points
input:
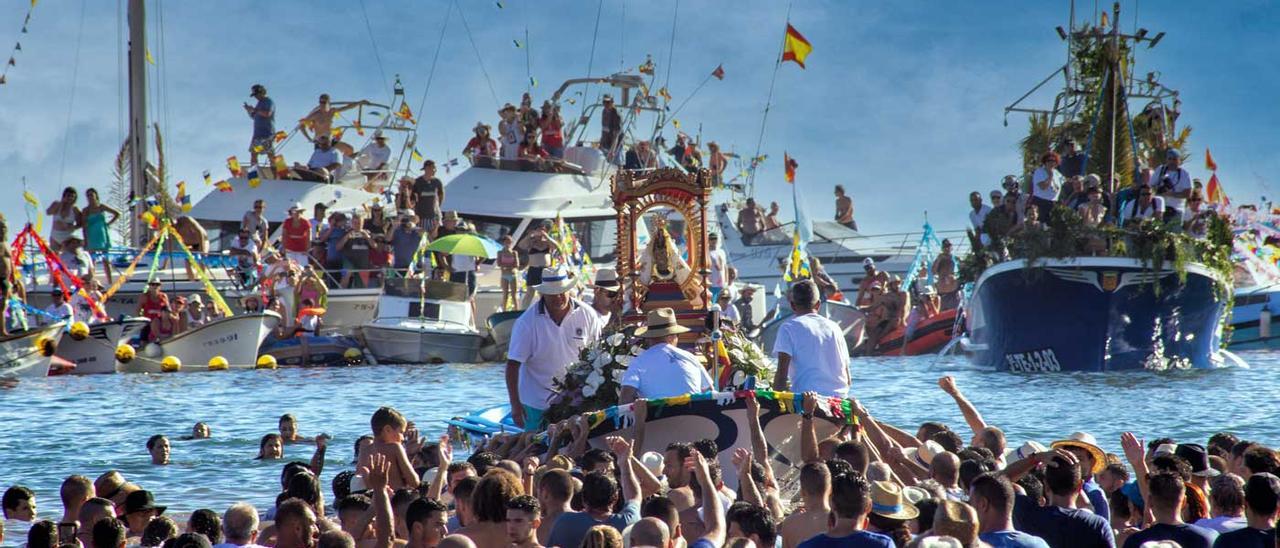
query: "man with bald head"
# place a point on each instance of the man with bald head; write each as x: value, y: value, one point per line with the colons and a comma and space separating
x: 91, y: 512
x: 945, y: 469
x: 651, y: 533
x: 456, y: 541
x: 240, y: 526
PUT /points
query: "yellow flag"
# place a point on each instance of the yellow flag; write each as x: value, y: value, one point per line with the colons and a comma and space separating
x: 150, y: 60
x: 795, y: 47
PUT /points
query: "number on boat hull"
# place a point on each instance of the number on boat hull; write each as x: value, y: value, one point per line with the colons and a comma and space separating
x: 1035, y: 361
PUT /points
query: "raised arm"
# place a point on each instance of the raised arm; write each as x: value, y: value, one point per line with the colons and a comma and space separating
x: 1135, y: 452
x: 971, y: 414
x: 639, y: 408
x: 808, y: 432
x: 1015, y: 470
x: 375, y: 477
x: 759, y: 447
x: 317, y: 458
x: 746, y: 484
x: 444, y: 456
x: 712, y: 511
x: 622, y: 452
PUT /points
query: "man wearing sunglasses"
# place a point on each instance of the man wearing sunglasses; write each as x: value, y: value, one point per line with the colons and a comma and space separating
x: 607, y: 297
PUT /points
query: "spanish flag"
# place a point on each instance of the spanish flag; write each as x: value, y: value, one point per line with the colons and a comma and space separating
x: 405, y: 114
x: 233, y: 165
x: 281, y: 168
x: 223, y: 186
x: 794, y: 46
x: 1214, y: 192
x: 790, y: 167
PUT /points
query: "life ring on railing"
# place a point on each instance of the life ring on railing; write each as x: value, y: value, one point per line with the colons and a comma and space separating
x: 309, y: 311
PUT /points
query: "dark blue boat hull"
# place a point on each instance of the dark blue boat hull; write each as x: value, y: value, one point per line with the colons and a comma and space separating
x: 1095, y: 314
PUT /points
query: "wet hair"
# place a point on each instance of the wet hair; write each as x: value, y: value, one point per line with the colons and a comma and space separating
x: 455, y: 467
x: 288, y: 417
x: 1261, y: 493
x: 207, y: 523
x: 815, y: 478
x: 14, y: 495
x: 594, y: 457
x: 1164, y: 489
x: 1223, y: 441
x: 1259, y: 459
x: 262, y: 444
x: 707, y: 447
x: 557, y: 483
x: 359, y: 440
x: 42, y: 534
x: 839, y: 466
x: 153, y: 440
x: 527, y: 504
x: 1061, y: 477
x: 290, y: 510
x: 994, y: 488
x: 336, y: 538
x: 421, y: 509
x: 341, y: 484
x: 489, y: 501
x: 159, y: 530
x: 386, y: 416
x: 306, y: 488
x: 482, y: 461
x: 855, y: 453
x: 353, y: 502
x: 290, y: 470
x: 108, y: 533
x: 753, y: 519
x: 850, y: 495
x: 598, y: 490
x: 949, y: 440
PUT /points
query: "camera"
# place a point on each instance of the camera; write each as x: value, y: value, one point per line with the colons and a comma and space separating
x: 1166, y: 184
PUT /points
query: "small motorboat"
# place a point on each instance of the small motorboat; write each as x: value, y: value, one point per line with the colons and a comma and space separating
x: 235, y: 339
x: 311, y: 350
x: 500, y: 325
x: 929, y: 336
x: 96, y: 353
x: 29, y: 353
x: 423, y: 322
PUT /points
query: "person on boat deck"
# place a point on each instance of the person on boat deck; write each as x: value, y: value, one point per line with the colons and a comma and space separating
x: 610, y: 126
x: 1146, y: 207
x: 255, y: 221
x: 1001, y: 222
x: 331, y: 236
x: 997, y: 199
x: 296, y: 236
x: 95, y: 224
x: 75, y: 259
x: 320, y: 119
x: 641, y: 156
x: 1032, y: 221
x: 545, y: 340
x: 750, y: 221
x: 355, y: 246
x: 319, y: 221
x: 1173, y: 184
x: 196, y: 240
x: 1195, y: 219
x: 428, y: 195
x: 606, y: 297
x: 66, y: 218
x: 663, y: 370
x: 325, y: 160
x: 7, y: 285
x: 263, y: 115
x: 742, y: 304
x: 728, y: 310
x: 373, y: 158
x: 509, y: 264
x: 196, y: 314
x: 1012, y: 185
x: 482, y: 145
x: 810, y: 349
x: 1046, y: 183
x: 552, y: 127
x: 405, y: 238
x: 719, y: 263
x: 979, y: 214
x: 537, y: 245
x: 870, y: 277
x: 944, y: 271
x: 844, y: 209
x: 771, y: 222
x: 152, y: 305
x: 57, y: 310
x: 716, y: 162
x: 510, y: 131
x: 244, y: 248
x: 530, y: 149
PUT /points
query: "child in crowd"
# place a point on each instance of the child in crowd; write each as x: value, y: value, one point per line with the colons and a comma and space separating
x: 389, y: 428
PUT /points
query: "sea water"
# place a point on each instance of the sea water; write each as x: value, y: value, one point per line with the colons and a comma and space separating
x: 51, y: 428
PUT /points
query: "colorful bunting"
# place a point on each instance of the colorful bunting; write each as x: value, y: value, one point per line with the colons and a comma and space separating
x: 254, y: 180
x: 223, y: 186
x: 207, y: 179
x: 233, y: 165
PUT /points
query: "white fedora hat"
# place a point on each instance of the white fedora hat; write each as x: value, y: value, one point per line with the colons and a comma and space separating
x: 556, y: 282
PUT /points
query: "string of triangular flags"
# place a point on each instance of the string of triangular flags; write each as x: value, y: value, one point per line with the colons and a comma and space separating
x: 17, y: 45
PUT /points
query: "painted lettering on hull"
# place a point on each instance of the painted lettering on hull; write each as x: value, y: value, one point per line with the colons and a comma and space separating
x: 1035, y: 361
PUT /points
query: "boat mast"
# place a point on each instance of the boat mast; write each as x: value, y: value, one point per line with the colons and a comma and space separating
x: 1116, y: 74
x: 137, y: 116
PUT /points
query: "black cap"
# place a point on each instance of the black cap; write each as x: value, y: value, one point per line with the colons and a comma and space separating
x: 1198, y: 457
x: 140, y: 500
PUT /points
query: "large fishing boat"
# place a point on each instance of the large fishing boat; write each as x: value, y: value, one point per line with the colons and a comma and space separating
x: 1158, y: 298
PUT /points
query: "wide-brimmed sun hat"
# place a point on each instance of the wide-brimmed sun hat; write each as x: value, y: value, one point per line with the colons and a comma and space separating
x: 1085, y: 441
x: 1198, y: 456
x: 141, y: 500
x: 925, y: 453
x: 1026, y: 450
x: 660, y: 322
x: 607, y: 278
x: 556, y: 282
x: 888, y: 501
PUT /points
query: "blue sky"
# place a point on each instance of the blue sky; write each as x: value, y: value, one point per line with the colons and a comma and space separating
x: 901, y: 101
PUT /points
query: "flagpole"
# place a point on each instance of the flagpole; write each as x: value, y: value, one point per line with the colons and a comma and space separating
x: 768, y: 103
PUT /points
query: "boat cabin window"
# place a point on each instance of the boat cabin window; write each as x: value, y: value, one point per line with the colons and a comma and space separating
x: 599, y: 237
x: 424, y: 310
x: 494, y: 228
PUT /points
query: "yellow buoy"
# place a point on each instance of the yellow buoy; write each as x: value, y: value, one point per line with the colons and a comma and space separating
x: 125, y: 353
x: 78, y: 331
x: 267, y: 361
x: 170, y: 364
x: 46, y: 346
x: 353, y: 355
x: 218, y: 363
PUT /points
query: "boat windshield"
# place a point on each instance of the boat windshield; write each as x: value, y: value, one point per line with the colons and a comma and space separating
x: 598, y: 236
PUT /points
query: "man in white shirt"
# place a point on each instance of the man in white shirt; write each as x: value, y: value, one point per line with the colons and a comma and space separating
x: 57, y: 310
x: 374, y: 157
x: 324, y: 162
x: 1046, y: 183
x: 1173, y: 184
x: 240, y: 527
x: 545, y: 340
x: 719, y: 263
x: 664, y: 370
x: 811, y: 352
x: 978, y: 215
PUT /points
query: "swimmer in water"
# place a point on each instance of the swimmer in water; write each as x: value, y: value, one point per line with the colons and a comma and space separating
x: 271, y: 447
x: 289, y: 430
x: 158, y: 446
x: 199, y: 432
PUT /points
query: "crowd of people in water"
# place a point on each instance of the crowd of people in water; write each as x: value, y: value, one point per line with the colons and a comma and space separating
x: 1162, y: 193
x: 870, y: 484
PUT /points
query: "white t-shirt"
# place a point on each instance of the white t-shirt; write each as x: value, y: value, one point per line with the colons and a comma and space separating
x: 819, y: 356
x: 462, y: 263
x: 373, y: 156
x: 545, y: 350
x: 1055, y: 184
x: 1134, y: 210
x: 664, y: 371
x: 719, y: 262
x: 58, y: 311
x: 976, y: 218
x: 82, y: 310
x: 1181, y: 182
x: 731, y: 312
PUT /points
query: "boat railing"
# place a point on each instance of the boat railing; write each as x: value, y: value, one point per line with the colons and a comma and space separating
x: 538, y: 165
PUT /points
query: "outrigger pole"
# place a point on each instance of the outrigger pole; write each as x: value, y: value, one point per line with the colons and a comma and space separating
x: 768, y: 103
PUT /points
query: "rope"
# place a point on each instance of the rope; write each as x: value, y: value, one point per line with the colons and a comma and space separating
x: 768, y: 103
x: 671, y: 48
x: 71, y: 100
x: 528, y: 62
x: 479, y: 60
x: 431, y: 74
x: 376, y: 56
x: 591, y: 58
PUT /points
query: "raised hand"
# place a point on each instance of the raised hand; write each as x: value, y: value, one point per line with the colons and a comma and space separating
x: 697, y: 464
x: 810, y: 402
x: 444, y: 452
x: 753, y: 405
x: 620, y: 447
x: 412, y: 441
x: 530, y: 465
x: 378, y: 471
x: 742, y: 458
x: 322, y: 440
x: 1135, y: 449
x: 948, y: 385
x: 1050, y: 457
